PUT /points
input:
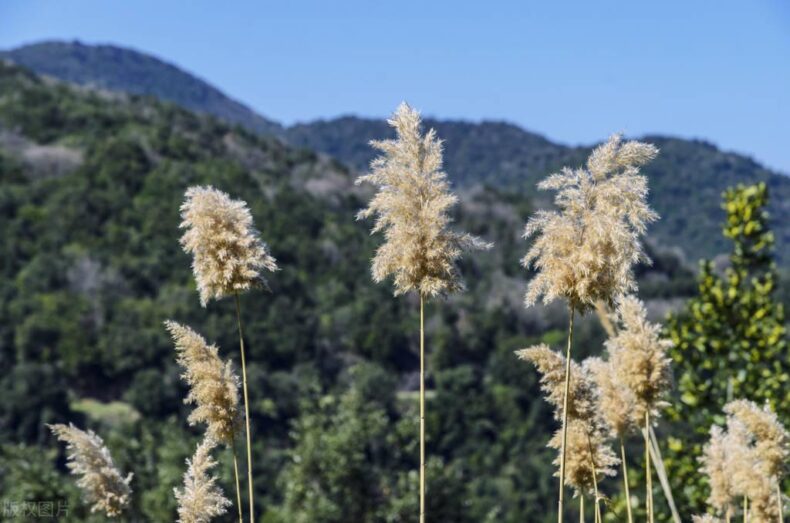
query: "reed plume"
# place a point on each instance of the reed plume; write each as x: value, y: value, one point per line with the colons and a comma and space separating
x: 586, y: 441
x: 228, y: 254
x: 584, y: 252
x: 412, y: 208
x: 101, y: 482
x: 214, y: 387
x: 200, y: 499
x: 228, y: 257
x: 638, y: 356
x: 736, y: 466
x: 771, y: 447
x: 615, y: 403
x: 705, y: 518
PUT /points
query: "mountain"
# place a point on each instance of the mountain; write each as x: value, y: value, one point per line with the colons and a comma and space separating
x: 121, y: 69
x: 90, y: 188
x: 686, y: 180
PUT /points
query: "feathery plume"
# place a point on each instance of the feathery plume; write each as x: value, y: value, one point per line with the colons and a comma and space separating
x: 771, y: 439
x: 585, y: 445
x: 735, y: 466
x: 615, y: 401
x: 228, y: 253
x: 639, y: 357
x: 411, y: 208
x: 101, y: 482
x: 551, y: 365
x: 201, y: 499
x: 586, y: 436
x: 585, y: 251
x: 717, y: 466
x: 705, y: 518
x: 214, y: 388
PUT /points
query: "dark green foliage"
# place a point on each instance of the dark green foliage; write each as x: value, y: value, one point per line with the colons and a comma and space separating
x: 730, y: 343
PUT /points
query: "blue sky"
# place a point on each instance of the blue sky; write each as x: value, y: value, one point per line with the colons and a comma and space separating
x: 573, y: 71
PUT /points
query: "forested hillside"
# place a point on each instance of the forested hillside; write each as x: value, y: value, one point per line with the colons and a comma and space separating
x: 688, y: 174
x: 90, y: 188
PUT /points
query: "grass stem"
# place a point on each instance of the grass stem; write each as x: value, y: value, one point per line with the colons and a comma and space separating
x: 246, y: 409
x: 565, y: 415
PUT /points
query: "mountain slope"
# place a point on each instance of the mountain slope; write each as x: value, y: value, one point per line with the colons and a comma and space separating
x: 120, y: 69
x: 686, y: 179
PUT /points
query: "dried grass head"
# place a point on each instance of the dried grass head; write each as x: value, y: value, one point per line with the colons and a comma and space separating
x: 638, y: 355
x: 101, y: 482
x: 615, y: 401
x: 200, y: 500
x: 228, y: 255
x: 585, y: 251
x: 412, y: 209
x: 735, y: 468
x: 705, y: 518
x: 214, y: 387
x: 584, y: 447
x: 551, y: 365
x: 771, y: 439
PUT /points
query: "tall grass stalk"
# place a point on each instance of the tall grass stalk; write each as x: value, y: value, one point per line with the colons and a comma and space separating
x: 581, y: 509
x: 565, y: 414
x: 625, y: 481
x: 236, y: 476
x: 648, y: 474
x: 422, y: 409
x: 745, y: 509
x: 594, y: 471
x: 779, y: 501
x: 246, y: 409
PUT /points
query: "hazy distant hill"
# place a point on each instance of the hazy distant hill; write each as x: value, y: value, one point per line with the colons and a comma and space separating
x: 117, y: 68
x: 686, y: 180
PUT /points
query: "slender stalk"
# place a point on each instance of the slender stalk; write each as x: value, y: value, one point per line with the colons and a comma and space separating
x: 779, y: 500
x: 595, y: 481
x: 581, y: 509
x: 422, y: 409
x: 565, y: 414
x: 728, y: 514
x: 625, y: 480
x: 649, y: 483
x: 236, y: 474
x: 246, y: 409
x: 745, y: 509
x: 658, y: 462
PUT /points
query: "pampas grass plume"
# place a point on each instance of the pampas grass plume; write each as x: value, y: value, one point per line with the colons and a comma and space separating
x: 101, y: 482
x: 412, y: 209
x: 200, y: 499
x: 228, y: 254
x: 585, y: 250
x: 213, y: 385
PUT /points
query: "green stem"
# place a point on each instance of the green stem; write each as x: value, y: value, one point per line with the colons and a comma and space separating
x: 625, y: 480
x: 246, y: 409
x: 565, y: 415
x: 745, y: 509
x: 236, y: 474
x: 422, y: 409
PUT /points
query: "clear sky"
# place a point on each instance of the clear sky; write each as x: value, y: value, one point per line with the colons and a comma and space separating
x: 573, y: 71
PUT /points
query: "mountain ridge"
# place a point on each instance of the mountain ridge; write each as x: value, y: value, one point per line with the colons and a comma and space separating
x: 689, y: 174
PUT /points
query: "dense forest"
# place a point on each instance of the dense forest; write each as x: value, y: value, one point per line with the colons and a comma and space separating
x: 90, y: 188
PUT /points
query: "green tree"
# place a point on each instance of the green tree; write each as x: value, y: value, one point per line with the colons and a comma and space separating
x: 730, y: 342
